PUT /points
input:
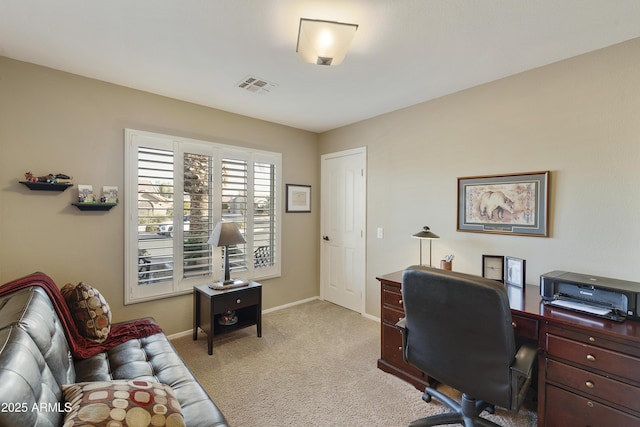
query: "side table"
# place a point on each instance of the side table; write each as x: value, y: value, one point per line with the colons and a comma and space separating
x: 209, y: 304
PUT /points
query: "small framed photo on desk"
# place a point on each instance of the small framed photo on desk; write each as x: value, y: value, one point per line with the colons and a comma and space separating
x: 515, y: 271
x: 493, y: 267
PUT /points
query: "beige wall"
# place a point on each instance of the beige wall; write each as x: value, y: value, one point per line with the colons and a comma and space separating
x: 579, y: 119
x: 57, y: 122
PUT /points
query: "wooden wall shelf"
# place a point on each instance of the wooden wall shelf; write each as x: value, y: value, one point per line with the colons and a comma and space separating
x: 94, y: 206
x: 46, y: 186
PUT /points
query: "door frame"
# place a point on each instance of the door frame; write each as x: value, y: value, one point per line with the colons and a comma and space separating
x: 361, y: 151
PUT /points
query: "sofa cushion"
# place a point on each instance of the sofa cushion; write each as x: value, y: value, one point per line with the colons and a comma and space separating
x: 154, y: 359
x: 121, y: 402
x: 89, y: 309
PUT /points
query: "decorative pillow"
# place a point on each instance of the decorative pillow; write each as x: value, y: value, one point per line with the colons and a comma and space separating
x: 121, y: 403
x: 89, y: 309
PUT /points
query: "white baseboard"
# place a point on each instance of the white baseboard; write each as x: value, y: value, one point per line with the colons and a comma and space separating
x: 291, y: 304
x: 280, y: 307
x: 270, y: 310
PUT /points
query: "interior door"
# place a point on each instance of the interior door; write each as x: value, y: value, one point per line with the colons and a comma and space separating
x: 343, y: 199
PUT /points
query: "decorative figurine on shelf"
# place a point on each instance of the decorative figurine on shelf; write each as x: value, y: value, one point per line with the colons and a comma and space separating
x: 50, y: 178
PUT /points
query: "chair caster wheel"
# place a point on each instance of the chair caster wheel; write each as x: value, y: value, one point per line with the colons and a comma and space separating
x: 491, y: 409
x: 426, y: 397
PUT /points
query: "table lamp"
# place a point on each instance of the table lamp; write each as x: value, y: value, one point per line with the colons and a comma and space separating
x: 425, y: 234
x: 226, y: 234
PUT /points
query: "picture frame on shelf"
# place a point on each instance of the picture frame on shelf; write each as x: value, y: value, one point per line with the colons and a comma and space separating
x: 298, y: 198
x: 516, y: 204
x: 515, y: 271
x: 85, y: 193
x: 493, y: 267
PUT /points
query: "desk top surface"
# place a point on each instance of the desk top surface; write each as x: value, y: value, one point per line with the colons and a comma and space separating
x: 527, y: 301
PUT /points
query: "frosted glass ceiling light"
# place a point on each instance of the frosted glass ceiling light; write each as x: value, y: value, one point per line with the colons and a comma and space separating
x: 324, y: 42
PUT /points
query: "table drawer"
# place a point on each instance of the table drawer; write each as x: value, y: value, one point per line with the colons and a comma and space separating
x: 564, y: 409
x: 236, y: 300
x: 392, y: 297
x: 593, y: 357
x: 525, y: 327
x: 598, y: 386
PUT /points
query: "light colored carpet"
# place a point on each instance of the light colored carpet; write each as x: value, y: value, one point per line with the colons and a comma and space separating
x: 315, y: 365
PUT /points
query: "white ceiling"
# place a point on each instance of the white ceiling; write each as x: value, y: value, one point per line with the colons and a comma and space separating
x: 404, y: 52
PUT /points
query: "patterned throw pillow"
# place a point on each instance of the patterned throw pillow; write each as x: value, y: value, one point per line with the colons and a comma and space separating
x: 121, y: 403
x: 89, y: 309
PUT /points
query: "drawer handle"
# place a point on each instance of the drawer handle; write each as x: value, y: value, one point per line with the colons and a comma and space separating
x: 514, y: 325
x: 589, y: 384
x: 590, y: 404
x: 238, y: 301
x: 592, y: 339
x: 400, y: 301
x: 591, y: 358
x: 400, y: 348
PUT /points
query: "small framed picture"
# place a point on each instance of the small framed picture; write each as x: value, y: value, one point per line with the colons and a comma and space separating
x: 515, y: 271
x: 493, y: 267
x: 298, y: 198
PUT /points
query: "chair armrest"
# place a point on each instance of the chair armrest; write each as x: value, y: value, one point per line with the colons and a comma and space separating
x: 402, y: 326
x: 521, y: 374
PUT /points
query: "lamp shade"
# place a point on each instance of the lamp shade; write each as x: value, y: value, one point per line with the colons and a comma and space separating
x: 425, y: 233
x: 324, y: 42
x: 225, y: 234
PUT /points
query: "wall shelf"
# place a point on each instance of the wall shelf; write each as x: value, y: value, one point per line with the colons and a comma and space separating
x: 46, y: 186
x: 94, y: 206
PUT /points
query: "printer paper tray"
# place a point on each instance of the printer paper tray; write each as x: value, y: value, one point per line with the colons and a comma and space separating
x: 586, y: 308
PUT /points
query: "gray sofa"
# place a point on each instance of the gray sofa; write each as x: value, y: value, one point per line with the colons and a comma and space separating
x: 35, y: 361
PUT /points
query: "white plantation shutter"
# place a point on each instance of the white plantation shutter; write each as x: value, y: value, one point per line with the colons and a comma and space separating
x: 176, y: 191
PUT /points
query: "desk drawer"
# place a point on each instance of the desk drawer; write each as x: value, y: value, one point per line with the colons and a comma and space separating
x: 236, y: 300
x: 392, y: 350
x: 392, y: 297
x: 525, y: 327
x: 598, y: 386
x: 564, y: 409
x: 592, y: 357
x: 391, y: 316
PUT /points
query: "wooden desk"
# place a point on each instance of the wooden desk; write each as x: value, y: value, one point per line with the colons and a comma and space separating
x: 589, y: 368
x: 209, y: 304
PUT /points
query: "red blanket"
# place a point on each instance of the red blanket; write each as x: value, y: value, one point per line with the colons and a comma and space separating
x: 81, y: 348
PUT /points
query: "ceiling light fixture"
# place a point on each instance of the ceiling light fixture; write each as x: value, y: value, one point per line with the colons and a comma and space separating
x: 324, y: 42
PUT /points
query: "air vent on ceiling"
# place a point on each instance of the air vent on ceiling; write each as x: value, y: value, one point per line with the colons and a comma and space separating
x: 255, y: 85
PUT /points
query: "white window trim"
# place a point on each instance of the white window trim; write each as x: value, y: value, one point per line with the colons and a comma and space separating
x: 179, y: 286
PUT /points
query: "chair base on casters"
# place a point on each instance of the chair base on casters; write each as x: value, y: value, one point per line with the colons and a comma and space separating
x: 467, y: 412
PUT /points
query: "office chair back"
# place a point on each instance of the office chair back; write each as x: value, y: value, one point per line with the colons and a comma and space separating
x: 459, y: 332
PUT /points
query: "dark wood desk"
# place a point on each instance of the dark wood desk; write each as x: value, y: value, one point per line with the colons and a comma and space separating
x: 209, y: 304
x: 589, y: 368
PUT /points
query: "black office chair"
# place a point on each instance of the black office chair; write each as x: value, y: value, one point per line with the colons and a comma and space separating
x: 457, y: 328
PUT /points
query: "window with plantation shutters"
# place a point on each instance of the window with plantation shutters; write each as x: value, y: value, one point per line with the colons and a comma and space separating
x: 177, y: 189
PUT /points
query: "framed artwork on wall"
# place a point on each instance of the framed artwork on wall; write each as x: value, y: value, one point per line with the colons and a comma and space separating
x: 493, y: 267
x: 298, y: 198
x: 515, y: 271
x: 515, y: 204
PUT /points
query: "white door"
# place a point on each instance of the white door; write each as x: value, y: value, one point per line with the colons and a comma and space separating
x: 342, y: 255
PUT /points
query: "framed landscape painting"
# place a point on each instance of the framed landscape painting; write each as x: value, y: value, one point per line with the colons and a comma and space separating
x: 515, y: 204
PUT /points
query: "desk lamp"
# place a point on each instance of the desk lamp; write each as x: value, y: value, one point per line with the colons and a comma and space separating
x: 425, y: 234
x: 226, y: 234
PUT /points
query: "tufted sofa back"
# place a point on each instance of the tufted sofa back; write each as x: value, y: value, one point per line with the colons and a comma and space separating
x: 35, y: 360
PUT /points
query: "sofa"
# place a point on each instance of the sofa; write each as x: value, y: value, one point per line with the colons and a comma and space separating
x: 38, y: 368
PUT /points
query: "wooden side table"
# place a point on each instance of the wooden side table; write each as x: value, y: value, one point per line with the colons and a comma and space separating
x: 209, y: 304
